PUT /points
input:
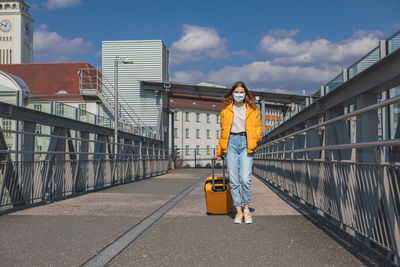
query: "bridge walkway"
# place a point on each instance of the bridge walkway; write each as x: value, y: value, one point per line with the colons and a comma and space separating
x: 79, y: 230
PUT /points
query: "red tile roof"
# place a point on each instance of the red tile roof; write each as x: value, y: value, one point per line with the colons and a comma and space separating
x: 44, y: 80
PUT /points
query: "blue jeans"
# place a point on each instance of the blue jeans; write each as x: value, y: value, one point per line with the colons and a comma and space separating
x: 238, y: 161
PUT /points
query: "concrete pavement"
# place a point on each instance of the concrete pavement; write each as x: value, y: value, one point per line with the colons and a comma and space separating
x: 70, y: 232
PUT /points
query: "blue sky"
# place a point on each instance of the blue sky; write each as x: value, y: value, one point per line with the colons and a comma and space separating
x: 286, y: 45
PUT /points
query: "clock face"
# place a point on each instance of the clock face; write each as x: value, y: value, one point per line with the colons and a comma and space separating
x: 27, y: 29
x: 5, y: 25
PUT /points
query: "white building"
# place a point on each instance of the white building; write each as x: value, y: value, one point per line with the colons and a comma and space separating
x: 16, y: 32
x: 150, y: 63
x: 196, y: 131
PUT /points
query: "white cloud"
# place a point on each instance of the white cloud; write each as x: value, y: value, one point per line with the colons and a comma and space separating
x: 286, y: 50
x: 57, y: 4
x: 189, y: 77
x: 292, y: 66
x: 198, y: 43
x: 240, y: 53
x: 262, y: 74
x: 52, y: 46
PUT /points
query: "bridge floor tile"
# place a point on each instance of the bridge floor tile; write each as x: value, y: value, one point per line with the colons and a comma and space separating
x: 69, y: 232
x: 282, y: 240
x: 279, y: 236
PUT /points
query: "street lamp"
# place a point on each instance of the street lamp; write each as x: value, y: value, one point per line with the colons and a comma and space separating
x: 117, y: 60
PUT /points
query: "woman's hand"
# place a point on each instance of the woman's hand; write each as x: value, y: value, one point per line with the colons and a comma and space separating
x: 218, y: 158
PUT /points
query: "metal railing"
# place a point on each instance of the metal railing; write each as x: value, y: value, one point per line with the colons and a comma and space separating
x: 345, y: 165
x: 74, y: 157
x: 194, y: 157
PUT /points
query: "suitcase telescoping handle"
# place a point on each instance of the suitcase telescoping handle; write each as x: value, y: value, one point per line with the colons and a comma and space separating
x: 223, y: 173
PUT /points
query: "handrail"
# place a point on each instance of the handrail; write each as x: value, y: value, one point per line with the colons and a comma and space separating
x: 392, y: 142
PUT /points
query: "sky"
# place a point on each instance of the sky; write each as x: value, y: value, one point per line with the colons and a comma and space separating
x: 282, y: 46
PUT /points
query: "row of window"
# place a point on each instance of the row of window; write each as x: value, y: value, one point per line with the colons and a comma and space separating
x: 6, y: 38
x: 14, y: 6
x: 271, y: 122
x: 187, y: 117
x: 198, y: 150
x: 5, y: 56
x: 60, y: 109
x: 273, y: 112
x: 187, y: 133
x: 6, y: 125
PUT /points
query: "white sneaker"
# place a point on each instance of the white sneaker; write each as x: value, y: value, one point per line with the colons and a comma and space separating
x: 247, y: 217
x: 238, y: 218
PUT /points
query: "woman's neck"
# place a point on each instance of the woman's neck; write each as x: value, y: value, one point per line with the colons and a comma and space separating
x: 238, y: 104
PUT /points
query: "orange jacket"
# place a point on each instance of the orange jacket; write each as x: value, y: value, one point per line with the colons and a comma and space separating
x: 253, y: 129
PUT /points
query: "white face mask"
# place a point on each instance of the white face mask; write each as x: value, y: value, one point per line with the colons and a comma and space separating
x: 239, y: 97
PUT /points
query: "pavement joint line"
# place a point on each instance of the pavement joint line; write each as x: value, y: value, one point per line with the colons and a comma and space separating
x: 116, y: 247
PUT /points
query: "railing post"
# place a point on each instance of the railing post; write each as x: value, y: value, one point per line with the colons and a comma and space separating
x: 27, y: 167
x: 389, y: 204
x: 364, y: 123
x: 81, y: 181
x: 383, y: 48
x: 263, y: 116
x: 195, y: 157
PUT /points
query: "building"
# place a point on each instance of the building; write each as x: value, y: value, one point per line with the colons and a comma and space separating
x: 16, y: 32
x: 150, y: 63
x: 273, y: 115
x: 196, y: 129
x: 47, y: 82
x: 53, y: 88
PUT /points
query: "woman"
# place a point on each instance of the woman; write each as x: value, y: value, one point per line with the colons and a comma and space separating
x: 241, y: 129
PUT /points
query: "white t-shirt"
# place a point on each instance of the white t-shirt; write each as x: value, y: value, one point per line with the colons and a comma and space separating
x: 239, y: 119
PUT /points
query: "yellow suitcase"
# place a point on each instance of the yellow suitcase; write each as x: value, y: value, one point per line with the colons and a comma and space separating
x: 218, y: 193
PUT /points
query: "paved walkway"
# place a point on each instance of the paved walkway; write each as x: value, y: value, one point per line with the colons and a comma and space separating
x: 70, y: 232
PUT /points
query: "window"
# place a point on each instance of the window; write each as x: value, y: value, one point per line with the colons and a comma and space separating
x: 39, y: 129
x: 39, y: 148
x: 198, y: 133
x: 82, y: 109
x: 176, y: 132
x: 187, y: 134
x: 7, y: 126
x: 60, y: 109
x: 175, y: 116
x: 208, y: 118
x: 217, y: 118
x: 198, y: 150
x: 187, y: 116
x: 187, y: 152
x: 217, y: 134
x: 37, y: 107
x: 197, y: 117
x: 208, y: 134
x: 208, y: 150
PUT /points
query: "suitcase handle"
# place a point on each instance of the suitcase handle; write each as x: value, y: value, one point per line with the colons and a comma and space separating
x: 213, y: 160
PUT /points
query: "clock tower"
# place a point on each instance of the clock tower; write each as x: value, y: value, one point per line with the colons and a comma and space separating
x: 16, y: 32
